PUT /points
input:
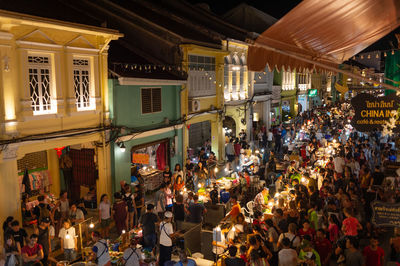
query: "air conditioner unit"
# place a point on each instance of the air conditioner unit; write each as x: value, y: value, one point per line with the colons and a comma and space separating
x: 194, y: 105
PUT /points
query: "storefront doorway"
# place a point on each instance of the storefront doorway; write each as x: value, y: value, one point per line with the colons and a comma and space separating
x: 229, y: 126
x: 199, y: 135
x: 152, y: 155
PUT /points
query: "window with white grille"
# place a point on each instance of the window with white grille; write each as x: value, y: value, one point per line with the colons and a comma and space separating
x: 39, y: 84
x: 151, y: 100
x: 201, y: 76
x: 82, y: 84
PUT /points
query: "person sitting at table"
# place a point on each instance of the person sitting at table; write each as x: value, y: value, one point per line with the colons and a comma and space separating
x: 291, y: 170
x: 261, y: 199
x: 234, y: 211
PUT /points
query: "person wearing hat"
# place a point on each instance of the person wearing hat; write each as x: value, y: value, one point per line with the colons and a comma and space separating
x: 166, y: 236
x: 307, y: 253
x: 148, y: 223
x: 44, y: 238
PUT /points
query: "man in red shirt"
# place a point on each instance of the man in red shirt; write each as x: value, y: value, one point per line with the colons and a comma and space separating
x: 33, y: 252
x: 373, y: 254
x: 323, y: 246
x: 307, y: 230
x: 350, y: 225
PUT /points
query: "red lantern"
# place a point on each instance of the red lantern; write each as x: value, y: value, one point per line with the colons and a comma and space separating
x: 59, y: 151
x: 188, y: 126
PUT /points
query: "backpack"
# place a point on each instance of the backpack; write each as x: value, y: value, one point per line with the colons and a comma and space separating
x: 44, y: 212
x: 129, y: 202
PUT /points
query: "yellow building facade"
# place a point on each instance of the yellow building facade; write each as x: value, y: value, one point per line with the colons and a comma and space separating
x: 202, y: 98
x: 53, y: 79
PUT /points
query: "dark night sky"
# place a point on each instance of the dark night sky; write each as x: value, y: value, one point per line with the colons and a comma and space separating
x: 274, y: 8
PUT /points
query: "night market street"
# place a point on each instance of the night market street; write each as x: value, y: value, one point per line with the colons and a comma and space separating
x: 200, y: 132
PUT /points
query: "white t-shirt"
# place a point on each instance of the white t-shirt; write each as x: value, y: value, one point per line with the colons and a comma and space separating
x: 339, y: 164
x: 270, y: 136
x: 104, y: 210
x: 287, y: 257
x: 132, y: 257
x: 296, y: 241
x: 79, y: 214
x: 68, y: 236
x: 102, y: 254
x: 166, y: 228
x: 52, y: 231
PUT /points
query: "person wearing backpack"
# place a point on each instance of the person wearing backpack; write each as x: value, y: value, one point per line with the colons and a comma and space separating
x: 291, y: 235
x: 132, y: 255
x: 42, y: 211
x: 129, y: 198
x: 287, y: 256
x: 100, y: 252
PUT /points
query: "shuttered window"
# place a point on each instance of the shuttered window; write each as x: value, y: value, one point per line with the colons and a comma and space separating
x: 151, y: 100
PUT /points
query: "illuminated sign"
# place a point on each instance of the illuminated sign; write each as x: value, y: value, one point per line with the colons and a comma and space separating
x: 312, y: 93
x: 372, y: 112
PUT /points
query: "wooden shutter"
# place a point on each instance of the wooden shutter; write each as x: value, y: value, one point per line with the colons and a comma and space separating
x: 146, y: 101
x: 156, y: 99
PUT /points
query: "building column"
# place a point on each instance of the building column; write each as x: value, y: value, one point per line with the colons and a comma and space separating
x: 54, y: 170
x: 267, y: 113
x: 218, y: 139
x: 10, y: 196
x: 104, y: 185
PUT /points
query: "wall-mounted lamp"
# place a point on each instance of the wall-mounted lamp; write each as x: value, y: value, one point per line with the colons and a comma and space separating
x: 122, y: 146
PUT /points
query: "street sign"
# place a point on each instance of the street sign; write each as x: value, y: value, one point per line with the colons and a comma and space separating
x: 372, y: 112
x: 312, y: 92
x: 385, y: 214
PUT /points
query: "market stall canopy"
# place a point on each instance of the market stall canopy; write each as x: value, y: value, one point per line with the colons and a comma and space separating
x: 322, y: 34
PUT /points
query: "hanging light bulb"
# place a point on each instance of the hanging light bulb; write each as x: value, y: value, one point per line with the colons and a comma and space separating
x: 91, y: 225
x: 122, y: 147
x: 362, y: 57
x: 392, y: 52
x: 384, y: 54
x: 216, y: 170
x: 377, y: 56
x: 123, y: 231
x: 369, y: 56
x: 199, y: 185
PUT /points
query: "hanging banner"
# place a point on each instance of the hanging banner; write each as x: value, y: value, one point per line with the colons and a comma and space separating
x: 141, y: 158
x: 372, y: 112
x: 385, y: 214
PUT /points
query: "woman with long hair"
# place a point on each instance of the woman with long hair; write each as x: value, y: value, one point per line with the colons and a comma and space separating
x: 104, y: 215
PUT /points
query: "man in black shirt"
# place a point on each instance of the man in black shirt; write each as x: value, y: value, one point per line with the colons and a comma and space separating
x: 19, y: 234
x: 378, y: 176
x: 148, y: 223
x: 196, y: 210
x: 233, y: 260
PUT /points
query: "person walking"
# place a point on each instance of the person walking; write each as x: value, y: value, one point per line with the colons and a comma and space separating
x: 104, y: 215
x: 120, y: 213
x: 44, y: 238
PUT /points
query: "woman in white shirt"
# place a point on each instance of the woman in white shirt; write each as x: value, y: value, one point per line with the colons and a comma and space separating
x: 104, y: 215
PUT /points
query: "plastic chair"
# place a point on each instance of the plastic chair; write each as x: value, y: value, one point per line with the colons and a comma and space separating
x: 250, y: 210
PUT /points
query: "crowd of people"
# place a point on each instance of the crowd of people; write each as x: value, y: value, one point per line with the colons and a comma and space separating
x: 324, y: 219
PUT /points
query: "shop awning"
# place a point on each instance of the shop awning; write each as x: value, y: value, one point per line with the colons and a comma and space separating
x: 322, y: 34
